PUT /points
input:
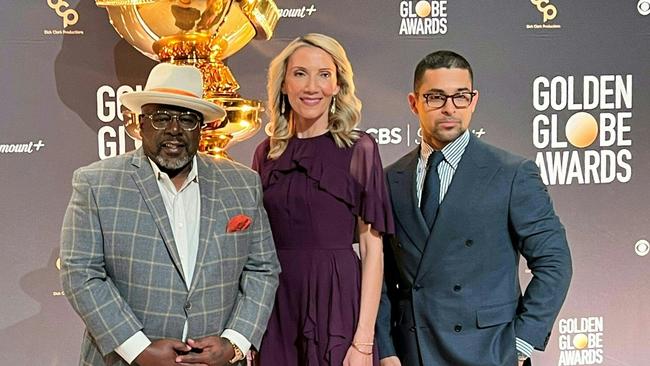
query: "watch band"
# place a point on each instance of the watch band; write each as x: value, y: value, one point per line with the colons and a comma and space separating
x: 239, y: 355
x: 521, y: 356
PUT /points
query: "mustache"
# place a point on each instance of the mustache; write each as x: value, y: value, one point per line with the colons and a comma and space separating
x: 447, y: 120
x: 179, y: 141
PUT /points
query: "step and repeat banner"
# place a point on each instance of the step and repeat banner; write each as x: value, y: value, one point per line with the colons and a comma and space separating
x: 565, y: 83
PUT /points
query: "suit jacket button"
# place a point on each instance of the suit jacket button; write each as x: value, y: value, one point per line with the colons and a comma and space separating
x: 417, y: 286
x: 399, y: 244
x: 469, y: 242
x: 412, y: 329
x: 188, y: 305
x: 458, y: 328
x: 457, y: 288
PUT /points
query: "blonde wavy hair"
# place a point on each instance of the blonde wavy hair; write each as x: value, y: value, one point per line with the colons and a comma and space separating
x: 341, y: 124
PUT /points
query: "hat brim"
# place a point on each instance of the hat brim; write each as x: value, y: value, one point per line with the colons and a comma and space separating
x: 135, y: 100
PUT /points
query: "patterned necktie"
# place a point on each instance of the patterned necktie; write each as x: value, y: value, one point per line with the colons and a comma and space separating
x: 431, y: 189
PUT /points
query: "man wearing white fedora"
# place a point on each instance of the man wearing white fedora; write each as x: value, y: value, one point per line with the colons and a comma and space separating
x: 167, y: 254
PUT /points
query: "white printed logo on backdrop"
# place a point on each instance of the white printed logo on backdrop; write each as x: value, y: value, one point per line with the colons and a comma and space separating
x: 583, y: 128
x: 69, y: 17
x: 548, y: 12
x: 581, y: 341
x: 111, y: 136
x: 643, y: 6
x: 423, y: 18
x: 299, y: 12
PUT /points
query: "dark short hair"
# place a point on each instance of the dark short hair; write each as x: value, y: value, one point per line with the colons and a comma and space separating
x: 438, y: 60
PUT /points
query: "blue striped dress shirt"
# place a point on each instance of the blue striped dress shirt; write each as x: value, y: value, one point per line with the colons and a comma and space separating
x: 452, y: 153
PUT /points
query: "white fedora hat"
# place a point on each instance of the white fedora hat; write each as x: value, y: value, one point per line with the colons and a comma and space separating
x: 174, y: 85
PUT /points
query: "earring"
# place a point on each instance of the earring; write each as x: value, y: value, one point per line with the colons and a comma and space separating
x: 333, y: 105
x: 281, y: 103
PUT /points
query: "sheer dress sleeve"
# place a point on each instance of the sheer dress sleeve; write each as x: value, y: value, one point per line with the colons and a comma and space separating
x: 374, y: 205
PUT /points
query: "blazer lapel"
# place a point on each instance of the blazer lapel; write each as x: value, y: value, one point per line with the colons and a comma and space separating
x: 404, y: 198
x: 212, y: 215
x: 468, y: 184
x: 148, y: 186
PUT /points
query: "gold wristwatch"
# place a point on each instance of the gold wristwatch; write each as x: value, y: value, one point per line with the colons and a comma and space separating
x: 239, y: 355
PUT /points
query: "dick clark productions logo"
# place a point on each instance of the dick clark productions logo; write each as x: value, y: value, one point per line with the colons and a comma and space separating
x: 69, y: 16
x: 548, y: 11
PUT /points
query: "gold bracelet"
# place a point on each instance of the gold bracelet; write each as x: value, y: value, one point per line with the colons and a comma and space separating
x: 239, y: 355
x: 354, y: 345
x: 364, y: 344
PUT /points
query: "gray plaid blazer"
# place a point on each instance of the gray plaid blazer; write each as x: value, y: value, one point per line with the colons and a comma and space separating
x: 121, y: 271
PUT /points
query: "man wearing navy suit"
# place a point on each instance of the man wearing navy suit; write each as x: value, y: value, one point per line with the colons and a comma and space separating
x: 465, y: 212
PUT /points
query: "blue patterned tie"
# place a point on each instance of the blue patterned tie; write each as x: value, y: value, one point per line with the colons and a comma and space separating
x: 431, y: 189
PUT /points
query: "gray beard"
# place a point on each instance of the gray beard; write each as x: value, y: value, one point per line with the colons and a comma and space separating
x: 173, y: 164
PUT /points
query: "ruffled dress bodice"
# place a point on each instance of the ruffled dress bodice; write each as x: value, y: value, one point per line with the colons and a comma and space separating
x: 313, y: 194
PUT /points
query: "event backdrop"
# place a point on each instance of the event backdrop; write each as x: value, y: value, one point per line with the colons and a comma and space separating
x: 563, y: 82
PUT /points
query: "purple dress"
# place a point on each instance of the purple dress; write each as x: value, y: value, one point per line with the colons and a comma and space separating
x: 313, y: 193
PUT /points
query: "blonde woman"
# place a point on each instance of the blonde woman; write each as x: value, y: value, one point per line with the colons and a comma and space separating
x: 323, y: 190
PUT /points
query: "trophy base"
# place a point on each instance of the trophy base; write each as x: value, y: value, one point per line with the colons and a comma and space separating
x: 242, y: 121
x: 214, y: 144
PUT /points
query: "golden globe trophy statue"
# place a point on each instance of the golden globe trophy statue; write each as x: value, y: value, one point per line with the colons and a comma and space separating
x: 202, y: 33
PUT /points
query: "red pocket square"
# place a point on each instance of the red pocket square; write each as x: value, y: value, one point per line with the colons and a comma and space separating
x: 238, y: 223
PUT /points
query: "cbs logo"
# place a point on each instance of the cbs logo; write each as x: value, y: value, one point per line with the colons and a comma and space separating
x: 385, y: 135
x: 643, y: 6
x: 70, y: 16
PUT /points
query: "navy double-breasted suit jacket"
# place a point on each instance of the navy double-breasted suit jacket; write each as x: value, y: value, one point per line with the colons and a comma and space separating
x: 452, y: 294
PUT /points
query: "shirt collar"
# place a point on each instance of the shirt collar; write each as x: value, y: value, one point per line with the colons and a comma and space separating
x: 452, y: 153
x: 164, y: 177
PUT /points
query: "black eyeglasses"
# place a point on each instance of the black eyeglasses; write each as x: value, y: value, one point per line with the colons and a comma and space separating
x: 438, y: 100
x: 160, y: 120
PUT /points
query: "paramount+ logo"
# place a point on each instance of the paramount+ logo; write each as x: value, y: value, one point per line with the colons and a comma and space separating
x: 583, y: 129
